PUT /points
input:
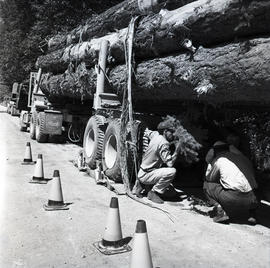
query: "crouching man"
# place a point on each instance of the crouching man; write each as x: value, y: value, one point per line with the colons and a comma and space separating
x: 230, y: 183
x: 156, y: 155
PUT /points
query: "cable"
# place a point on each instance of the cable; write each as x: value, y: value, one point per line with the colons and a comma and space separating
x: 167, y: 213
x: 73, y: 139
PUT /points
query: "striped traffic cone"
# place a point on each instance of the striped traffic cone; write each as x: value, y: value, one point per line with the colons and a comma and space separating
x: 141, y: 255
x: 55, y: 201
x: 113, y: 242
x: 39, y: 172
x: 28, y: 155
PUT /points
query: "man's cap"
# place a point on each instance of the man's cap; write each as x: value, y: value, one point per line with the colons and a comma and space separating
x: 217, y: 146
x: 219, y: 143
x: 220, y: 146
x: 165, y: 125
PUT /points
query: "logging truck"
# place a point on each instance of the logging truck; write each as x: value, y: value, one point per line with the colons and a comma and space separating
x: 103, y: 137
x: 102, y: 134
x: 17, y: 101
x: 104, y: 129
x: 45, y: 119
x: 11, y: 105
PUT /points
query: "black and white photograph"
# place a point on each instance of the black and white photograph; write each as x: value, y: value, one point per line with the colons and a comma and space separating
x: 134, y: 133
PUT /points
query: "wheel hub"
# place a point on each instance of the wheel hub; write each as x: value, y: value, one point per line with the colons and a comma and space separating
x: 90, y: 143
x: 110, y: 154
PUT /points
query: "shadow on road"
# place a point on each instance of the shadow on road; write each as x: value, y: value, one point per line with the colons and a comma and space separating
x: 263, y: 211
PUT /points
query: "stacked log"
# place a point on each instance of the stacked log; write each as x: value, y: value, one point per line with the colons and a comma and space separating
x: 113, y: 19
x: 229, y: 73
x: 162, y: 34
x: 223, y: 69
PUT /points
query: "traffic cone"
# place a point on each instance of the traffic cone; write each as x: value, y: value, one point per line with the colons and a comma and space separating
x: 113, y: 242
x: 141, y: 255
x: 39, y: 172
x: 28, y: 155
x: 55, y: 201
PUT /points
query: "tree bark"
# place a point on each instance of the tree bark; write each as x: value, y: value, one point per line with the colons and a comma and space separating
x: 79, y: 85
x: 238, y: 72
x: 52, y: 62
x: 235, y: 73
x: 115, y: 18
x: 162, y: 34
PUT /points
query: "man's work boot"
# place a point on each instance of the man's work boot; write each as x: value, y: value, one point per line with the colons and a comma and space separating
x: 170, y: 192
x: 252, y: 219
x: 154, y: 197
x: 221, y: 216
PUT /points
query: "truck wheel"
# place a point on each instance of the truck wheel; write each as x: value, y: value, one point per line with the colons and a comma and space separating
x: 111, y: 151
x: 93, y: 140
x: 23, y: 127
x: 40, y: 128
x: 33, y: 121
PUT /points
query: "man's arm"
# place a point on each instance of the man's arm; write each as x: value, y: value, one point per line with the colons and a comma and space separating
x: 214, y: 174
x: 166, y: 156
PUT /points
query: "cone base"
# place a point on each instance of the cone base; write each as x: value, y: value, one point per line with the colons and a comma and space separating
x: 39, y: 180
x: 110, y: 250
x: 52, y: 208
x: 28, y: 162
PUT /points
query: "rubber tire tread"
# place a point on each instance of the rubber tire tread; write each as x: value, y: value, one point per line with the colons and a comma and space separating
x: 97, y: 123
x: 33, y: 133
x: 42, y: 137
x: 115, y: 172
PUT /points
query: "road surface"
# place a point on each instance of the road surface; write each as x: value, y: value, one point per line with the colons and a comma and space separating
x: 31, y: 237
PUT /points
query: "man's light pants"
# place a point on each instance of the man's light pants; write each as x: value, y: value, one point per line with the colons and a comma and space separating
x: 160, y: 178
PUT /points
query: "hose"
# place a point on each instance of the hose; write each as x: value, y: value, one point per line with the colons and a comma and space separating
x: 134, y: 197
x: 139, y: 200
x: 76, y: 137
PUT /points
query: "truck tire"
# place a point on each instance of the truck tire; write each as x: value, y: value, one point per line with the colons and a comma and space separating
x: 93, y: 140
x: 111, y: 151
x: 33, y: 122
x: 23, y: 127
x: 40, y: 127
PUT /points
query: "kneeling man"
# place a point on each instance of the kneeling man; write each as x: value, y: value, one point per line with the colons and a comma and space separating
x: 230, y: 184
x: 156, y: 155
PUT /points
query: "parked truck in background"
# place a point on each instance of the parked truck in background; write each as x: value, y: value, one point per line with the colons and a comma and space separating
x: 18, y: 99
x: 45, y: 119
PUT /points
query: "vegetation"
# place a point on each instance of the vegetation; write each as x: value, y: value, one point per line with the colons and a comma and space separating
x: 26, y: 25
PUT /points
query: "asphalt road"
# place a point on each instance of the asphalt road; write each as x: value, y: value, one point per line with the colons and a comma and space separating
x: 31, y: 237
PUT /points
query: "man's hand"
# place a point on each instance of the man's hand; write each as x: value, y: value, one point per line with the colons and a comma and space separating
x: 171, y: 162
